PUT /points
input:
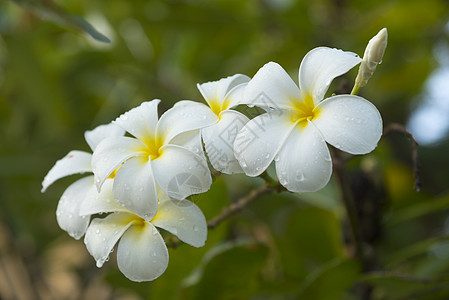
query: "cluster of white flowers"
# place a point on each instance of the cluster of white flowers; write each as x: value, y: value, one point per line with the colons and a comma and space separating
x: 144, y: 166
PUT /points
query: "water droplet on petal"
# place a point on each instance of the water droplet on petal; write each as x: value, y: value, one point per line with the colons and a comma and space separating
x: 277, y: 158
x: 196, y: 228
x: 154, y: 231
x: 97, y: 231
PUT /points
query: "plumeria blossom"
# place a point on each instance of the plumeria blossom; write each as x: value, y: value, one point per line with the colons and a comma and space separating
x: 77, y: 162
x: 295, y: 130
x: 141, y: 253
x: 219, y: 138
x: 165, y: 153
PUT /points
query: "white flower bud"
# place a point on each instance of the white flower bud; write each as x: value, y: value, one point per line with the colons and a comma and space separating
x: 372, y: 57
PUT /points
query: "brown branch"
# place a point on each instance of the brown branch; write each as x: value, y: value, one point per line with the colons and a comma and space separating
x: 228, y: 211
x: 395, y: 127
x: 238, y: 205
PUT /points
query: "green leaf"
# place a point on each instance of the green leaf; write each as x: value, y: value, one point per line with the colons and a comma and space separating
x: 229, y: 271
x: 331, y: 280
x: 48, y: 10
x: 395, y: 286
x: 419, y: 209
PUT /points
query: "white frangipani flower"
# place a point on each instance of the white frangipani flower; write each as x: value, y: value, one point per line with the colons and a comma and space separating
x: 219, y: 138
x: 76, y: 162
x: 295, y: 132
x: 141, y: 253
x: 163, y: 153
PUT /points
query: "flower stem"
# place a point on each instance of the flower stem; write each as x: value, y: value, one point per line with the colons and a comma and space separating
x: 355, y: 89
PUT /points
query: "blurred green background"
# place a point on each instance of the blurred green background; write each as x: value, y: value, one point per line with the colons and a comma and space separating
x: 56, y: 82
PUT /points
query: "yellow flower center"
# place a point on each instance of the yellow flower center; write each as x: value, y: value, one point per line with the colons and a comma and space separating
x: 217, y: 107
x: 152, y: 148
x: 305, y: 111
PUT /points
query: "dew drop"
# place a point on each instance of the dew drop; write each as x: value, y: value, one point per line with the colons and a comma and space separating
x: 97, y: 231
x: 141, y: 188
x: 154, y: 231
x: 299, y: 176
x: 244, y: 165
x: 277, y: 158
x: 196, y: 228
x: 153, y: 253
x: 267, y: 155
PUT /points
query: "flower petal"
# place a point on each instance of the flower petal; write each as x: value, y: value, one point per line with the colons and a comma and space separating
x: 304, y: 163
x: 103, y: 234
x: 142, y: 254
x: 180, y: 172
x: 219, y: 141
x: 184, y: 116
x: 75, y: 162
x: 190, y: 140
x: 100, y: 202
x: 235, y: 96
x: 140, y: 121
x: 112, y: 152
x: 135, y: 188
x: 320, y: 66
x: 349, y: 123
x: 67, y: 213
x: 271, y: 87
x: 214, y: 92
x: 259, y: 141
x: 95, y: 136
x: 183, y: 219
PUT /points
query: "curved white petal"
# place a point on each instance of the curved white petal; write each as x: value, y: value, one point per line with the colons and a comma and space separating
x: 183, y: 219
x: 95, y: 136
x: 219, y: 141
x: 214, y: 92
x: 184, y: 116
x: 235, y: 96
x: 75, y: 162
x: 111, y: 153
x: 259, y: 141
x: 67, y: 213
x: 103, y: 234
x: 100, y: 202
x: 320, y: 66
x: 180, y: 172
x: 271, y: 87
x: 140, y: 121
x: 304, y: 163
x: 349, y: 123
x: 142, y: 254
x: 190, y: 140
x: 135, y: 188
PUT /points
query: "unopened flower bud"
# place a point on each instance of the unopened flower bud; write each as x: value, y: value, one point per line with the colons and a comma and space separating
x: 372, y: 57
